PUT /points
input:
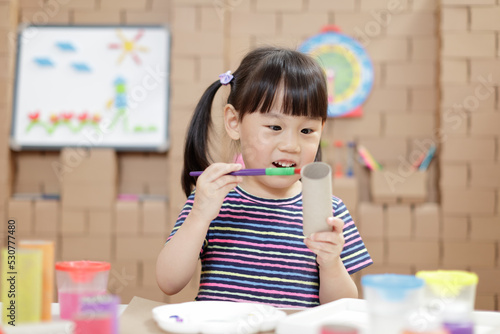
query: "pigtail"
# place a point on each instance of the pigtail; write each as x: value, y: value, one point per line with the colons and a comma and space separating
x: 196, y: 156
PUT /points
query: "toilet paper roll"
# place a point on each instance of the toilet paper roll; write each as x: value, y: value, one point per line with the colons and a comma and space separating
x: 316, y: 197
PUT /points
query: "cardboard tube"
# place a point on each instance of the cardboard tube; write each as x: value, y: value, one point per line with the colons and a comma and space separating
x: 47, y: 248
x: 316, y: 197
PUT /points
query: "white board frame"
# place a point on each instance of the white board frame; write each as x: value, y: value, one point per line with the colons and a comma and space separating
x: 72, y: 73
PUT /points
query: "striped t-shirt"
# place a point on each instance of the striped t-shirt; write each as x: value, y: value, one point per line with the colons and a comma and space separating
x: 254, y: 251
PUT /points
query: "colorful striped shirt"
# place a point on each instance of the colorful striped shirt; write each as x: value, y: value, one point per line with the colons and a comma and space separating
x: 254, y: 251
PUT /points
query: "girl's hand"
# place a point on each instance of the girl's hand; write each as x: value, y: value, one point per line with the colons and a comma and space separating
x: 327, y: 245
x: 211, y: 188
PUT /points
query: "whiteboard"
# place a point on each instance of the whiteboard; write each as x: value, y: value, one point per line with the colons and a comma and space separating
x: 91, y: 86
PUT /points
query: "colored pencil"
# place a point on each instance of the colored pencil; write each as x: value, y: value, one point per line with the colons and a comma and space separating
x: 427, y: 160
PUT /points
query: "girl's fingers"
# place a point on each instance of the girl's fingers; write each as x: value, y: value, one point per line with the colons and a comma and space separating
x: 336, y: 223
x: 216, y: 170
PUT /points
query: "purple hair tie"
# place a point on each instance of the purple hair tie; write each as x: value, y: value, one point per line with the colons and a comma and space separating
x: 226, y: 78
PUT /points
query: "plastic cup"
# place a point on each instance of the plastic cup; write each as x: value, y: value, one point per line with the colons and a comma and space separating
x: 391, y: 298
x: 449, y: 297
x: 77, y: 280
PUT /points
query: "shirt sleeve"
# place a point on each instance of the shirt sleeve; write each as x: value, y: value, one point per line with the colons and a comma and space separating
x: 182, y: 217
x: 355, y: 256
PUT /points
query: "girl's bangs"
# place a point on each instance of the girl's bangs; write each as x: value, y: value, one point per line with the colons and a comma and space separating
x: 303, y: 85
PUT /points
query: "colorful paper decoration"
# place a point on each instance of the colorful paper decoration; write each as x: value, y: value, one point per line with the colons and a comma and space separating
x: 348, y: 69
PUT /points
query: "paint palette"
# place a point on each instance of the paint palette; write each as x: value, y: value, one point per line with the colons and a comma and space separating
x: 353, y: 312
x: 217, y: 317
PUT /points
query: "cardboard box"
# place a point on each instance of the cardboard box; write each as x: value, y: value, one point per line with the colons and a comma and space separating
x: 98, y: 166
x: 127, y: 218
x: 387, y: 99
x: 453, y: 71
x: 46, y: 218
x: 485, y: 175
x: 96, y: 17
x: 468, y: 149
x: 346, y: 188
x: 484, y: 123
x: 453, y: 175
x: 386, y: 150
x: 485, y: 18
x: 479, y: 44
x: 423, y: 99
x: 485, y: 228
x: 377, y: 250
x: 123, y: 4
x: 427, y: 219
x: 485, y: 302
x: 123, y: 275
x: 455, y: 228
x: 154, y: 218
x: 397, y: 183
x: 454, y: 19
x: 149, y: 274
x: 303, y: 23
x: 488, y: 280
x: 101, y: 222
x: 74, y: 222
x: 132, y: 187
x: 22, y: 212
x: 479, y: 254
x: 371, y: 222
x: 459, y: 201
x: 96, y: 248
x: 326, y: 5
x: 139, y: 247
x: 399, y: 221
x: 406, y: 251
x: 425, y: 48
x: 412, y: 24
x: 88, y: 196
x: 411, y: 74
x: 369, y: 125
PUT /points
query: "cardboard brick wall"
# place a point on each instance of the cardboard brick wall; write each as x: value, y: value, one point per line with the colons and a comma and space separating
x: 446, y: 218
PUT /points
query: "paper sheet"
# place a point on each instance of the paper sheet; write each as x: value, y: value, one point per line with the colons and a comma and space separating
x: 138, y: 317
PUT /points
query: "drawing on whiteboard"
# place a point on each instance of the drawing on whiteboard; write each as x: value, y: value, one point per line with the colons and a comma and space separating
x: 129, y: 46
x: 75, y: 123
x: 105, y: 86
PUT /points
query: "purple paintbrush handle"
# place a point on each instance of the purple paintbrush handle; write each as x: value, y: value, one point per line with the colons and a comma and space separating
x: 243, y: 172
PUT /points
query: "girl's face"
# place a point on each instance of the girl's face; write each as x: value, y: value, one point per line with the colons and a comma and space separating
x: 274, y: 140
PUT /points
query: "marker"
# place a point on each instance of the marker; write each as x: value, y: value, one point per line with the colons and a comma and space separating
x: 427, y: 160
x: 259, y: 171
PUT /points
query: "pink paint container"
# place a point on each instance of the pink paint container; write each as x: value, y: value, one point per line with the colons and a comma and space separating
x: 77, y: 280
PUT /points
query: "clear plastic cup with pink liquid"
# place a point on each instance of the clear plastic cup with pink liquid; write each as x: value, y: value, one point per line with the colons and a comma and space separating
x: 77, y: 280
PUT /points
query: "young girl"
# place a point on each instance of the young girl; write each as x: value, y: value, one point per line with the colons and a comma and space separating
x: 247, y: 230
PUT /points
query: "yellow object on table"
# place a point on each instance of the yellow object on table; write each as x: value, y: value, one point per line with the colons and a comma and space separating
x: 21, y: 286
x: 47, y: 249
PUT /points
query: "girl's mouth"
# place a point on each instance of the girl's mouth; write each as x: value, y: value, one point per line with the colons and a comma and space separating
x: 282, y: 164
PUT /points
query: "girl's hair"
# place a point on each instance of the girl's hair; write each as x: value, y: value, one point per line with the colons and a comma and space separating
x: 262, y: 73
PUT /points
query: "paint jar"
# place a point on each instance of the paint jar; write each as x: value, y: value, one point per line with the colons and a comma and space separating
x: 98, y: 314
x: 449, y: 297
x: 77, y: 280
x: 391, y: 299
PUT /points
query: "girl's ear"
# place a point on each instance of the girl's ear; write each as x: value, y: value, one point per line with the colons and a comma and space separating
x: 231, y: 122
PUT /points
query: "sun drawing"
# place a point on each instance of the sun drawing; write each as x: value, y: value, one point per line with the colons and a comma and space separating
x: 129, y: 46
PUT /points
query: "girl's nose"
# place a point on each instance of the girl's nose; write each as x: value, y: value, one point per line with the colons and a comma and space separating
x: 290, y: 143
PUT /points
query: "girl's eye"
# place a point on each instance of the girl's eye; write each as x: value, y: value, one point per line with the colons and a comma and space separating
x: 275, y: 127
x: 306, y: 131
